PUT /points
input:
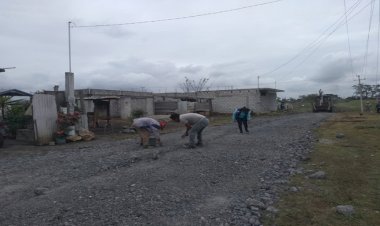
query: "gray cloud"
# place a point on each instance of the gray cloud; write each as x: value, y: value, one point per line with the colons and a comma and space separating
x: 217, y: 74
x: 116, y: 32
x: 138, y: 66
x: 333, y: 71
x: 191, y: 69
x: 232, y: 49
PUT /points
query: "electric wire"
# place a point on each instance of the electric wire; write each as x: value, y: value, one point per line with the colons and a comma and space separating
x: 367, y: 44
x: 313, y: 43
x: 319, y: 44
x: 348, y: 40
x: 378, y: 48
x: 178, y: 18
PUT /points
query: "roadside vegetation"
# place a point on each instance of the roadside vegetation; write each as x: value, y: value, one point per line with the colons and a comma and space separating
x: 304, y: 104
x: 348, y: 151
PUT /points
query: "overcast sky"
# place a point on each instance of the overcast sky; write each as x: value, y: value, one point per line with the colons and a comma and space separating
x: 299, y: 46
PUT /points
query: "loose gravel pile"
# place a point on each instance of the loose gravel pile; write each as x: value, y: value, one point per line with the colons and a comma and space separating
x: 232, y: 180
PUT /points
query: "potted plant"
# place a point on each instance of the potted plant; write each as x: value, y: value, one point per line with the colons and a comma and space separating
x: 60, y: 137
x: 66, y: 122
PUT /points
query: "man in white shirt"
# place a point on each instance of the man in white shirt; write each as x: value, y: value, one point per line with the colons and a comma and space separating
x: 195, y: 124
x: 147, y: 127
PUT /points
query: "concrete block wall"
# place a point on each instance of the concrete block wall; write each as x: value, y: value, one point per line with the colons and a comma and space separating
x: 114, y: 108
x: 268, y: 102
x: 125, y: 106
x: 138, y: 104
x: 145, y: 104
x: 222, y: 101
x: 104, y: 92
x: 128, y: 104
x: 182, y: 107
x: 225, y: 101
x: 122, y: 107
x: 149, y: 109
x: 165, y: 108
x: 89, y: 105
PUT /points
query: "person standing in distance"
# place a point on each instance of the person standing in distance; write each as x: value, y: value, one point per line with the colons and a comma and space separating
x: 195, y: 124
x: 241, y: 116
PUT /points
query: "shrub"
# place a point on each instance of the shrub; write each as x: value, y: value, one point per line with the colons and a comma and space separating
x: 137, y: 113
x: 15, y: 119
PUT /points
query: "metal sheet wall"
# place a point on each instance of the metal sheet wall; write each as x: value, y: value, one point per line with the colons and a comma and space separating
x: 44, y: 117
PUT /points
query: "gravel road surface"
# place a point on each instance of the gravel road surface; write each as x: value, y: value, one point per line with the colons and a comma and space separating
x: 232, y: 180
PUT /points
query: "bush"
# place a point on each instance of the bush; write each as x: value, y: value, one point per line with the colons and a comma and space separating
x: 138, y: 113
x: 16, y: 119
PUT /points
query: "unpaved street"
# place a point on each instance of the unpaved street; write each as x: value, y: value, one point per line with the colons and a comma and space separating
x: 229, y: 181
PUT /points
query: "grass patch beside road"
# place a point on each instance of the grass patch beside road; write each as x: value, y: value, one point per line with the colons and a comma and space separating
x: 352, y: 166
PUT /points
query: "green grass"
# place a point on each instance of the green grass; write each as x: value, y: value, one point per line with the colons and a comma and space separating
x: 301, y: 107
x: 339, y: 106
x: 351, y: 105
x: 352, y: 165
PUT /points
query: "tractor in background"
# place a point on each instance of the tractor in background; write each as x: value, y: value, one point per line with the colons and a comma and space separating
x: 323, y: 103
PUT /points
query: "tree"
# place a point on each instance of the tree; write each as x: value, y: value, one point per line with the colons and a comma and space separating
x: 368, y: 91
x: 376, y: 91
x: 308, y: 98
x: 193, y: 86
x: 5, y: 101
x: 6, y: 104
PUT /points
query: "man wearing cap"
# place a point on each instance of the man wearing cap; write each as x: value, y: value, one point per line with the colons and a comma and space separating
x: 147, y: 127
x: 195, y: 124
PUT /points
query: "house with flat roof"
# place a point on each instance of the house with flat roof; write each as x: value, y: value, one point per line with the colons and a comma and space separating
x: 259, y: 100
x: 121, y: 104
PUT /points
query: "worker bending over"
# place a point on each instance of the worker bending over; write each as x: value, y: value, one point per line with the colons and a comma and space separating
x: 147, y: 127
x: 195, y: 124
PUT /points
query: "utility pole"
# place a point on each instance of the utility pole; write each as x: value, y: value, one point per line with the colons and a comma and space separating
x: 258, y: 82
x: 361, y: 94
x: 69, y: 27
x: 69, y: 80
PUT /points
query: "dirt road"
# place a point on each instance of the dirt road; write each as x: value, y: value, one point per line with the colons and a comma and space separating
x: 232, y: 180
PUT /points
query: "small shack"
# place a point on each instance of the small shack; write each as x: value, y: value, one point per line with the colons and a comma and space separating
x: 15, y: 115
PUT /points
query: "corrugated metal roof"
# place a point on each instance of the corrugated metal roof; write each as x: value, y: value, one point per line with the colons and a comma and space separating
x: 15, y: 92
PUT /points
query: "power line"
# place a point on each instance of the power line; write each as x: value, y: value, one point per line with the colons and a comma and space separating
x: 369, y: 31
x: 316, y: 42
x: 348, y: 39
x: 178, y: 18
x: 320, y: 42
x: 378, y: 47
